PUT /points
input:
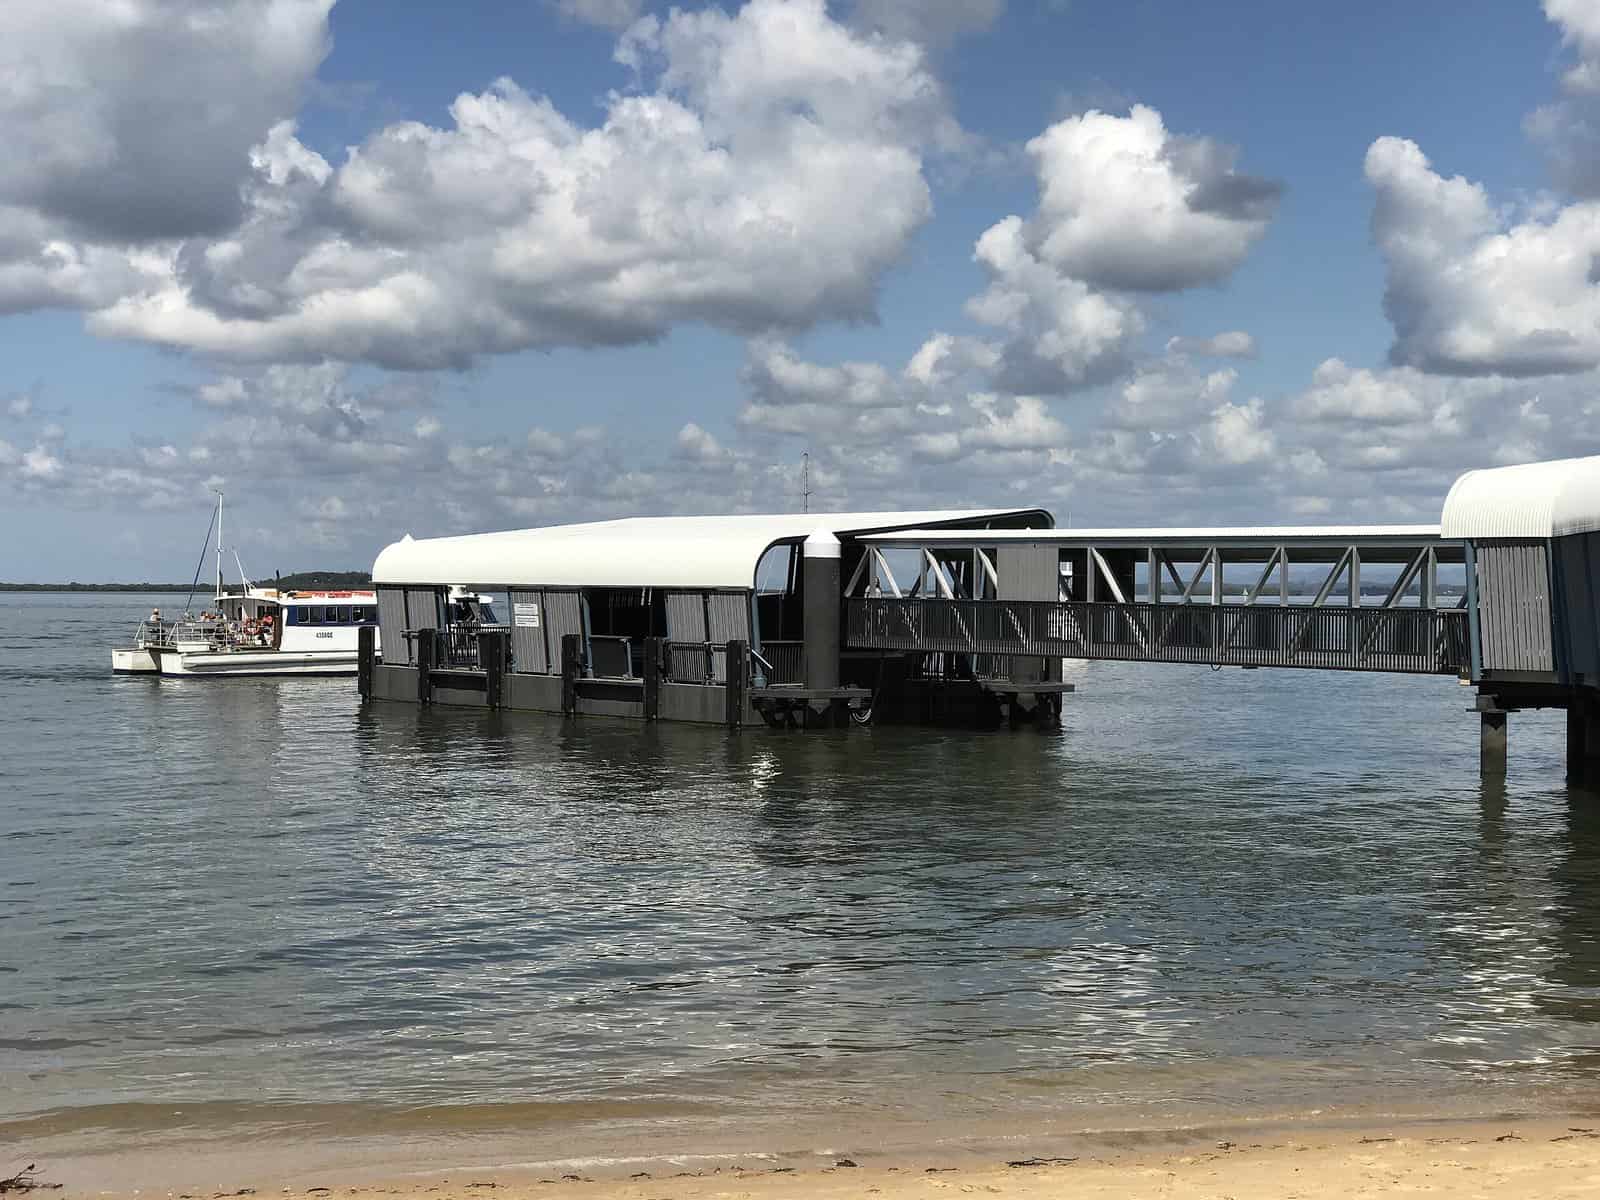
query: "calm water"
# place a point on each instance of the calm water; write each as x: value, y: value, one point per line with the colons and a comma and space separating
x: 254, y: 906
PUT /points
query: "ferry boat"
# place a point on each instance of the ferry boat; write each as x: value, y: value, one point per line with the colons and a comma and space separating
x: 251, y: 630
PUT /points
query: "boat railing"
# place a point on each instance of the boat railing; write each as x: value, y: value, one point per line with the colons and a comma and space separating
x: 154, y: 633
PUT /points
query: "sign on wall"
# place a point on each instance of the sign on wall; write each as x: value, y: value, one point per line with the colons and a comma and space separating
x: 525, y: 615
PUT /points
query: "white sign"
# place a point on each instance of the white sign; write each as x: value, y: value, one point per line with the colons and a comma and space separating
x: 525, y: 615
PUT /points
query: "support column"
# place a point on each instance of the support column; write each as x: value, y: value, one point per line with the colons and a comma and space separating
x: 571, y: 669
x: 653, y: 648
x: 427, y: 655
x: 366, y: 652
x: 1583, y: 739
x: 738, y: 676
x: 492, y: 658
x: 821, y: 616
x: 1492, y: 741
x: 1577, y: 740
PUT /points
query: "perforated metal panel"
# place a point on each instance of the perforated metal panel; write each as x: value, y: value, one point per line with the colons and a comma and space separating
x: 686, y: 616
x: 563, y: 612
x: 1027, y: 572
x: 422, y: 608
x: 530, y: 652
x: 391, y: 627
x: 1514, y: 605
x: 728, y: 617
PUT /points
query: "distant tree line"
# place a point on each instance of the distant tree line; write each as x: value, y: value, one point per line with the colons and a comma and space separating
x: 298, y: 579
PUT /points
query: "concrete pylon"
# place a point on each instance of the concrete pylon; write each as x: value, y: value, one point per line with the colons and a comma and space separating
x: 821, y: 614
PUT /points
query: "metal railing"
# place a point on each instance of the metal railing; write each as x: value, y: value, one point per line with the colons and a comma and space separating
x: 691, y: 662
x: 697, y: 662
x: 1408, y: 640
x: 457, y: 646
x: 154, y: 633
x: 781, y: 664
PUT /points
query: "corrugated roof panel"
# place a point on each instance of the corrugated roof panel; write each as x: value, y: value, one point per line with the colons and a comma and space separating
x: 667, y: 552
x: 1531, y: 500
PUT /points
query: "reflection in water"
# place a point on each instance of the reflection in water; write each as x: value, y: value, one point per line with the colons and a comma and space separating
x: 1574, y: 982
x: 1240, y: 892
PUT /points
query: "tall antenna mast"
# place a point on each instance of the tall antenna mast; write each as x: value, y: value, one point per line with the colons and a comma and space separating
x: 805, y: 481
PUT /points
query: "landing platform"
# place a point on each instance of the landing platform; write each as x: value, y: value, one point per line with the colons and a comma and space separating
x: 780, y: 692
x: 1004, y: 687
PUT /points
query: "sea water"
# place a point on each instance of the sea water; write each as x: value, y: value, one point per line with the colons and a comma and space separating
x: 256, y: 909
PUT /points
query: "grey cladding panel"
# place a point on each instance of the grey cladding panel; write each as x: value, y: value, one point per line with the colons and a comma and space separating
x: 686, y: 616
x: 1028, y: 572
x: 1514, y: 605
x: 391, y: 627
x: 529, y: 619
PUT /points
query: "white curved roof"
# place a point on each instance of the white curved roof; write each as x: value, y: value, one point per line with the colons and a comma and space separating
x: 1533, y: 500
x: 667, y: 552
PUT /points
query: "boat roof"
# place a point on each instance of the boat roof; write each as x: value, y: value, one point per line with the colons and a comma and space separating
x: 1530, y: 500
x: 698, y: 553
x: 323, y: 595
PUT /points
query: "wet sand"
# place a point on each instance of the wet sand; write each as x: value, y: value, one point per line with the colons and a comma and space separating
x: 1546, y: 1158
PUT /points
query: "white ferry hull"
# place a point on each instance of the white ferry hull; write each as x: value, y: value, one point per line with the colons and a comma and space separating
x: 214, y: 665
x: 137, y: 660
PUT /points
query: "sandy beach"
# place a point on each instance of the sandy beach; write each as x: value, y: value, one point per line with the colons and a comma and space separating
x: 1546, y: 1158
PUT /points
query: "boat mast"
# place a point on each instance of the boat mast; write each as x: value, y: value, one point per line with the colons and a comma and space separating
x: 219, y: 543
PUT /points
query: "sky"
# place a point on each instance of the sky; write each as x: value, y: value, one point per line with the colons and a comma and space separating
x: 377, y: 267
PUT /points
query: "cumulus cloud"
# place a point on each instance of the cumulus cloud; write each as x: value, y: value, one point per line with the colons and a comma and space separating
x: 1472, y: 290
x: 133, y: 121
x: 1167, y: 395
x: 1235, y: 343
x: 1126, y: 204
x: 1579, y: 21
x: 1568, y: 129
x: 1125, y: 208
x: 935, y: 24
x: 605, y: 14
x: 1062, y: 333
x: 765, y: 173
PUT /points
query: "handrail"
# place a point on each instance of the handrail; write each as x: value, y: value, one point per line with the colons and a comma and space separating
x: 1410, y: 640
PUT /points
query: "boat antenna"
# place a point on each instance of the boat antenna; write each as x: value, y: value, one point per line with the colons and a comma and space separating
x: 201, y: 564
x: 805, y: 481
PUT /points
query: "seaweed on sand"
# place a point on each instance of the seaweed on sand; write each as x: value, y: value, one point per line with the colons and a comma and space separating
x: 25, y: 1180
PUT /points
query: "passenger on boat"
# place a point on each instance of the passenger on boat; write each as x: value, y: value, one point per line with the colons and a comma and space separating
x: 264, y: 630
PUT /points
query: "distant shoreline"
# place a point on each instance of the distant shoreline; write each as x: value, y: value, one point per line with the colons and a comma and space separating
x: 99, y: 587
x: 301, y: 579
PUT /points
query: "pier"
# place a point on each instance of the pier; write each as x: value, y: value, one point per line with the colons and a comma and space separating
x: 964, y: 617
